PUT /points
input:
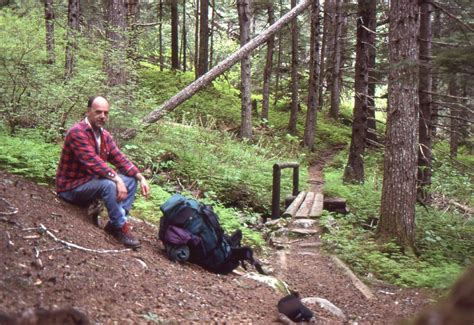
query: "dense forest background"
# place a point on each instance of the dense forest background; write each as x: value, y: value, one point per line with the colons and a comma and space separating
x: 207, y: 95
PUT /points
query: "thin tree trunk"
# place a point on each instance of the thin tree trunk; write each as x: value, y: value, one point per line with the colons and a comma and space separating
x: 213, y: 21
x: 174, y: 35
x: 354, y: 171
x: 425, y: 123
x: 160, y: 33
x: 397, y: 212
x: 325, y: 49
x: 294, y: 75
x: 224, y: 65
x: 314, y: 69
x: 184, y: 37
x: 73, y: 13
x: 278, y: 68
x: 132, y: 11
x: 196, y: 37
x: 243, y: 8
x: 371, y: 122
x: 336, y: 68
x: 49, y: 22
x: 203, y: 63
x: 435, y: 79
x: 267, y: 72
x: 454, y: 118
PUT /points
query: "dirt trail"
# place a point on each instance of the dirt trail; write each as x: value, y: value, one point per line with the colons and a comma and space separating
x: 145, y: 287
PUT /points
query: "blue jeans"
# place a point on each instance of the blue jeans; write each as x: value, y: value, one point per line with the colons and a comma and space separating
x: 105, y: 189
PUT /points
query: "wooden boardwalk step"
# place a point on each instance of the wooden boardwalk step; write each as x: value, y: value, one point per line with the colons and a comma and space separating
x: 305, y: 205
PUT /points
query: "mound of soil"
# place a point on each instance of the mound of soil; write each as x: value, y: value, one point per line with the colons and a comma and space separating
x: 143, y: 286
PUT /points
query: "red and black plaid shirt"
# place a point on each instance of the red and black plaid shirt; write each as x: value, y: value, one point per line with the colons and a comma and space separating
x: 80, y: 162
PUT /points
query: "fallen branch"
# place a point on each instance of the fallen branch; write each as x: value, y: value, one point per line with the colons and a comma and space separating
x: 13, y: 209
x: 43, y: 229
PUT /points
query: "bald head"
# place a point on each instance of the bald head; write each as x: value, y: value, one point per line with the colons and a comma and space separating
x: 97, y: 112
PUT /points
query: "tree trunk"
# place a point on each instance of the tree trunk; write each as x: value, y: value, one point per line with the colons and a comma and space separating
x: 196, y: 37
x: 73, y: 13
x: 336, y: 67
x: 454, y: 117
x: 203, y: 63
x: 314, y: 69
x: 267, y: 72
x: 131, y: 17
x: 224, y: 65
x: 354, y: 171
x: 435, y: 78
x: 114, y: 60
x: 325, y: 48
x: 278, y: 67
x: 213, y: 21
x: 294, y: 75
x: 160, y: 33
x: 184, y: 37
x: 372, y: 25
x: 425, y: 122
x: 243, y: 8
x: 174, y: 35
x: 397, y: 212
x: 49, y: 22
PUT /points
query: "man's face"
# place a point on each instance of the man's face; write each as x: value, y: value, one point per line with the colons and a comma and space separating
x: 98, y: 113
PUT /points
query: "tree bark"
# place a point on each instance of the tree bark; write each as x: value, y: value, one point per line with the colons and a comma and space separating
x: 73, y: 13
x: 160, y: 33
x: 354, y: 171
x: 397, y: 212
x: 49, y: 22
x: 294, y: 75
x: 114, y: 60
x: 213, y: 21
x: 371, y: 122
x: 184, y: 37
x: 325, y: 48
x: 243, y: 8
x: 131, y: 17
x: 336, y: 67
x: 196, y: 37
x: 314, y: 69
x: 267, y: 72
x: 174, y: 35
x: 454, y: 118
x: 224, y: 65
x: 203, y: 63
x: 278, y: 67
x: 425, y: 122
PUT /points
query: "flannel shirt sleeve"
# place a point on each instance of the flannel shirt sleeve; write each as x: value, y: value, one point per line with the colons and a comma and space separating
x: 85, y: 152
x: 119, y: 160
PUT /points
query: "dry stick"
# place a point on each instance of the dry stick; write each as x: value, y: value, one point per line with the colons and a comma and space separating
x: 13, y: 209
x: 71, y: 245
x: 224, y: 65
x: 355, y: 280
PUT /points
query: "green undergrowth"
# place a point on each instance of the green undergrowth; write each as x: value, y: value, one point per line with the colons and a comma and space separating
x: 27, y: 156
x: 444, y: 239
x: 236, y: 173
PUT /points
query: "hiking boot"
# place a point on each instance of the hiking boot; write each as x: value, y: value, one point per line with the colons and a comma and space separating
x: 94, y: 210
x: 123, y: 235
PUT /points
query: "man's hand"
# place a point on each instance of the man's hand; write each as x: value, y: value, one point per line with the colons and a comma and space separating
x: 143, y: 185
x: 121, y: 189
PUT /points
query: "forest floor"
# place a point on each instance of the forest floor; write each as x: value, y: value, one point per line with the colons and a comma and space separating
x: 143, y: 286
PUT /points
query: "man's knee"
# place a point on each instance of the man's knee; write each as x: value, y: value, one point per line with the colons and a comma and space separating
x: 108, y: 186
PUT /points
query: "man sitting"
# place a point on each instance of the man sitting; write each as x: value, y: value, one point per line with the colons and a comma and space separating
x: 83, y: 175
